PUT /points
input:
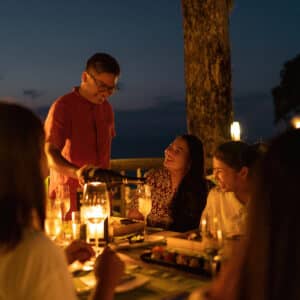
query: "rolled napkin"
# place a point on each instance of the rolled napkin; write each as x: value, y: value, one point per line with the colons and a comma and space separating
x: 121, y: 226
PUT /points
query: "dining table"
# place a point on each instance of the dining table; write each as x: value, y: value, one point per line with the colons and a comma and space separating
x: 144, y: 280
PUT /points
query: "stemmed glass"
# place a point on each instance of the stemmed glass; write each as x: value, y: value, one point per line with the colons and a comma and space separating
x: 144, y: 203
x: 97, y: 207
x: 212, y: 238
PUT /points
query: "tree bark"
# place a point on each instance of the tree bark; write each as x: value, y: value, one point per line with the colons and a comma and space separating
x: 207, y: 71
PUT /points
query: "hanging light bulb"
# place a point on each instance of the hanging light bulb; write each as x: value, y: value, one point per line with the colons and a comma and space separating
x: 235, y: 131
x: 296, y: 122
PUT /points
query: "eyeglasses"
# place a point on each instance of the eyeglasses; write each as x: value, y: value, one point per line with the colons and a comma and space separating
x: 103, y: 86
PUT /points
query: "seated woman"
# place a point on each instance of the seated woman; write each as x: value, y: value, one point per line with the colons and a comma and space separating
x: 227, y: 203
x: 178, y: 189
x: 31, y: 265
x: 266, y: 265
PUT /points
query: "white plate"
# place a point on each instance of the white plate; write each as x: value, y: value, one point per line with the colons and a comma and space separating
x: 151, y: 240
x: 87, y: 282
x: 136, y: 282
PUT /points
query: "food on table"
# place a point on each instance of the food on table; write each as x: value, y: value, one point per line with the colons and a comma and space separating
x: 137, y: 238
x: 157, y: 252
x: 161, y: 253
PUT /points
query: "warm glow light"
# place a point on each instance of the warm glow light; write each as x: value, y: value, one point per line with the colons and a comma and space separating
x: 95, y: 230
x: 219, y: 235
x: 203, y: 225
x: 296, y: 122
x: 235, y: 131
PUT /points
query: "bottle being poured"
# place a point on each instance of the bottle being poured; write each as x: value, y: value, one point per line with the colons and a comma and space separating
x: 109, y: 177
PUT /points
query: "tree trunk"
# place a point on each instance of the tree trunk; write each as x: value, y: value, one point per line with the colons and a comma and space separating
x: 207, y: 71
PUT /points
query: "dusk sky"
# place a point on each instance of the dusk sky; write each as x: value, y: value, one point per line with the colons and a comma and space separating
x: 45, y: 44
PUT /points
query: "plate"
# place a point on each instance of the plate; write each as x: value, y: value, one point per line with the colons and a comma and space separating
x: 129, y: 285
x: 128, y: 282
x: 151, y: 240
x: 202, y: 269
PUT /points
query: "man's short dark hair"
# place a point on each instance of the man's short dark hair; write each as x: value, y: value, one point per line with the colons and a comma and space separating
x: 103, y: 63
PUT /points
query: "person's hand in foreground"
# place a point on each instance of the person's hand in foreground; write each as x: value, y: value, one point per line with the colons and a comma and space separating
x: 108, y: 270
x: 79, y: 250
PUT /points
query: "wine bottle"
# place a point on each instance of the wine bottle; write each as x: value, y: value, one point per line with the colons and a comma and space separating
x: 110, y: 177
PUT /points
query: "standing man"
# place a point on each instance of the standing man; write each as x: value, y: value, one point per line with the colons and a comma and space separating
x: 80, y: 125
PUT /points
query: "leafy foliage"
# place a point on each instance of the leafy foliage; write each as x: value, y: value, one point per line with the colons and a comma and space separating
x: 286, y: 96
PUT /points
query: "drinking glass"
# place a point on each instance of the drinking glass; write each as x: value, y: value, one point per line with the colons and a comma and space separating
x: 212, y: 238
x: 63, y: 195
x: 76, y: 225
x: 53, y: 227
x: 53, y: 220
x: 144, y: 203
x: 97, y: 208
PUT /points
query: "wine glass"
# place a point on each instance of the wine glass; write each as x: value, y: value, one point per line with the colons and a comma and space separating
x: 97, y: 208
x: 144, y: 203
x: 212, y: 238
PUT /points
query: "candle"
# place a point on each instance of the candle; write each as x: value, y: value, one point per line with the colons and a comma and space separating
x: 219, y: 236
x: 235, y: 131
x: 95, y: 227
x: 203, y: 226
x: 95, y: 231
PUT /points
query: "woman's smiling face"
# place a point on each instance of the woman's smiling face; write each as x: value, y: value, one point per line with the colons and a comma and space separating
x: 227, y: 178
x: 177, y: 156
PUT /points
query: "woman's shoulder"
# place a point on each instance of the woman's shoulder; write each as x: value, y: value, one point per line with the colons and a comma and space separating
x: 159, y: 178
x: 39, y: 245
x: 158, y: 173
x: 215, y: 192
x: 35, y: 252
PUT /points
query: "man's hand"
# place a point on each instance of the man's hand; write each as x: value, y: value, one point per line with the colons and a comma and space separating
x: 79, y: 250
x: 80, y: 172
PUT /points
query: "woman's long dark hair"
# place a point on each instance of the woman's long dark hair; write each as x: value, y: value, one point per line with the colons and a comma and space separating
x: 274, y: 244
x: 21, y: 182
x: 268, y: 266
x: 190, y: 199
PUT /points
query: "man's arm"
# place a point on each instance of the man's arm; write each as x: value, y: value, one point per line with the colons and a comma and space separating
x: 57, y: 162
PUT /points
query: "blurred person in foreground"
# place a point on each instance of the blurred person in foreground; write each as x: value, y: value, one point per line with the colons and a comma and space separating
x: 266, y: 266
x: 31, y: 265
x: 80, y: 125
x: 179, y: 188
x: 227, y: 203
